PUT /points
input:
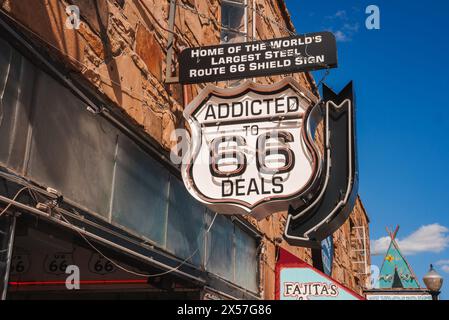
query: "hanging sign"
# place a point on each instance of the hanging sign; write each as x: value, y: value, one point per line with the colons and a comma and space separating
x: 251, y: 150
x: 258, y: 58
x: 296, y: 280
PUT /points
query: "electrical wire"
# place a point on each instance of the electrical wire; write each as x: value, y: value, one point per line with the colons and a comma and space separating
x: 120, y: 266
x: 40, y: 195
x: 13, y: 199
x: 35, y: 194
x: 134, y: 272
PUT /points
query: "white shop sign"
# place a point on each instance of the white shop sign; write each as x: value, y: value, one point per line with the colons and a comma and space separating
x: 251, y: 151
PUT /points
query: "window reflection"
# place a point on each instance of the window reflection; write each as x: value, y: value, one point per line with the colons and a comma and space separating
x: 233, y: 20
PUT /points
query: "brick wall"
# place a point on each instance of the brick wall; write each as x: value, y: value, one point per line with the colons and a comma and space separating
x: 120, y: 51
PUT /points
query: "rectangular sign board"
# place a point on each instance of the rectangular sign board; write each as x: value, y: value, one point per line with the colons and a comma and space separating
x: 398, y: 297
x: 300, y: 53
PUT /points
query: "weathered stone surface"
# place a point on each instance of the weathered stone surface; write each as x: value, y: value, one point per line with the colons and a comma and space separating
x: 95, y: 13
x: 93, y: 41
x: 152, y: 123
x: 47, y: 20
x: 175, y: 90
x: 122, y: 83
x: 149, y: 51
x: 168, y: 125
x: 269, y: 265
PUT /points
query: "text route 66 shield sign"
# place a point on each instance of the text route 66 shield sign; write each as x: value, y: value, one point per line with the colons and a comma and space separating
x: 251, y: 150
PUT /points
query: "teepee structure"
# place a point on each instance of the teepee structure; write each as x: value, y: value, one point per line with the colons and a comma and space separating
x: 396, y: 273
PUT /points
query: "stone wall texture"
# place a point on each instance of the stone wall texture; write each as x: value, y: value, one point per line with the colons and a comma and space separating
x: 120, y: 51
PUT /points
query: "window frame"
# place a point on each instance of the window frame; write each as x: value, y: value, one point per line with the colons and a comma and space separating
x: 244, y: 33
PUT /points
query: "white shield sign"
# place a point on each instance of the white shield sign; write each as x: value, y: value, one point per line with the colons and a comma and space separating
x: 251, y: 150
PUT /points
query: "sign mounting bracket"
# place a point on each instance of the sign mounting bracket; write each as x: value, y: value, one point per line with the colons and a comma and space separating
x: 169, y: 78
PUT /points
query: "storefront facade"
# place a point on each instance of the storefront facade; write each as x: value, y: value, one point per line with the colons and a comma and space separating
x: 87, y: 116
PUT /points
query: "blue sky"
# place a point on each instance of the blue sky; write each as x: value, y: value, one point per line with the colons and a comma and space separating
x: 401, y: 80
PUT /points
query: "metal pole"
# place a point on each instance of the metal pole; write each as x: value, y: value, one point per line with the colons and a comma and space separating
x: 9, y: 257
x: 171, y: 26
x: 435, y: 295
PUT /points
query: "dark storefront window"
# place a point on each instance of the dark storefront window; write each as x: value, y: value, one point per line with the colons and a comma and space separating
x: 229, y: 243
x: 71, y: 149
x: 220, y: 247
x: 233, y: 20
x: 42, y: 250
x: 48, y: 136
x: 140, y: 198
x: 246, y: 266
x: 16, y: 89
x: 185, y: 233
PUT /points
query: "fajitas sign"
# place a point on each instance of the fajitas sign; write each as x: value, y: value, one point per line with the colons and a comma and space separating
x: 297, y: 280
x: 251, y: 149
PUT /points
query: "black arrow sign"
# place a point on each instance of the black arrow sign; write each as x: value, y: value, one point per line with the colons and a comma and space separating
x: 309, y: 224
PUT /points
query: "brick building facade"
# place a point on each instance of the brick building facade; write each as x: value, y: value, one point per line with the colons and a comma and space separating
x: 119, y: 55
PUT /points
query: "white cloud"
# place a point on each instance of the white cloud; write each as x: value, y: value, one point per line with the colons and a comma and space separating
x: 442, y: 262
x: 428, y: 238
x: 341, y: 14
x: 342, y: 26
x: 380, y: 246
x: 351, y: 27
x: 341, y: 36
x: 444, y: 265
x: 445, y: 268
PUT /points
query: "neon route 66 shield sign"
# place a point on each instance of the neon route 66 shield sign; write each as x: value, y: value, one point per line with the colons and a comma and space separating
x: 251, y: 148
